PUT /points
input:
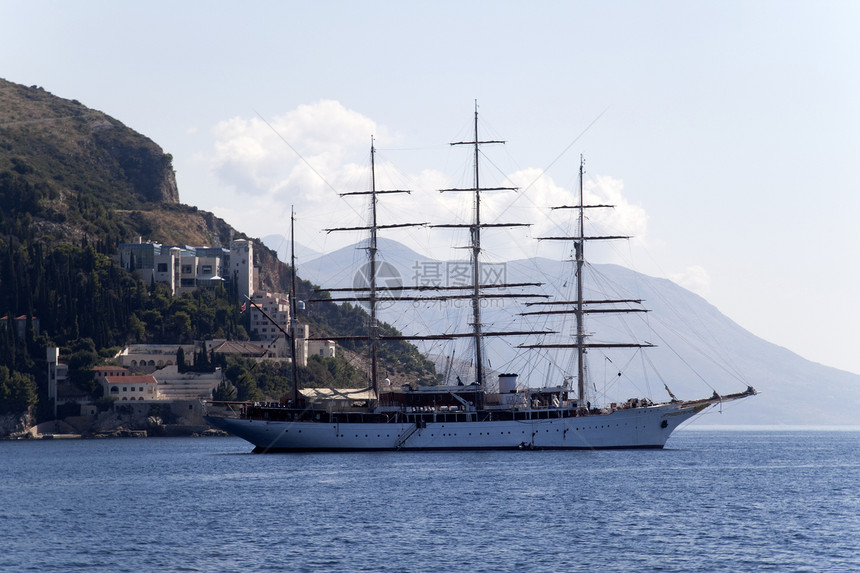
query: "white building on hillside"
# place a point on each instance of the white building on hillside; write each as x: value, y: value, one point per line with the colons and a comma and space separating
x: 271, y: 332
x: 129, y: 388
x: 148, y: 357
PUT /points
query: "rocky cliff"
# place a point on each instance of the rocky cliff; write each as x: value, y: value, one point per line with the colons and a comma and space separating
x: 49, y: 139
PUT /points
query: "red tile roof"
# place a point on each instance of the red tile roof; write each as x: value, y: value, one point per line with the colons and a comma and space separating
x: 130, y: 380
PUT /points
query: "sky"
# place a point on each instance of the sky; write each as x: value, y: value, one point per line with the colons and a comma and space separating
x: 727, y: 134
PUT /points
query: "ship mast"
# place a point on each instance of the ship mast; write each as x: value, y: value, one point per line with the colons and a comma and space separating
x: 373, y: 295
x: 374, y: 324
x: 579, y: 255
x: 476, y: 271
x: 581, y: 306
x: 475, y: 246
x: 293, y: 309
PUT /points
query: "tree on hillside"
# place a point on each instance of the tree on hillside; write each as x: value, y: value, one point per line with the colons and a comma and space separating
x: 18, y: 392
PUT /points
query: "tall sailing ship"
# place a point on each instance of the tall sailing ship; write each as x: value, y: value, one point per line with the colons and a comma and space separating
x: 474, y: 415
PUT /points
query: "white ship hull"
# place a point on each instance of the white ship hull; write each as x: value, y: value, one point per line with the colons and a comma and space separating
x: 647, y: 427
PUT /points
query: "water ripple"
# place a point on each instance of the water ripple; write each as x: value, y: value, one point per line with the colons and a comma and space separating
x: 712, y: 501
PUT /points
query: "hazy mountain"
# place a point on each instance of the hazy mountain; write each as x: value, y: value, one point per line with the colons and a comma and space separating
x: 698, y: 349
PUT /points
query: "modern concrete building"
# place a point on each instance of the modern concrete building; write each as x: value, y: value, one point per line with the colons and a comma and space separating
x: 240, y: 265
x: 185, y: 268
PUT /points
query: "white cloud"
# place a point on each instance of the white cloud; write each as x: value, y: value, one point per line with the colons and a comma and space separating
x: 300, y: 152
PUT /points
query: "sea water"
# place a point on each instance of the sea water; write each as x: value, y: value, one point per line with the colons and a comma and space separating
x: 745, y: 500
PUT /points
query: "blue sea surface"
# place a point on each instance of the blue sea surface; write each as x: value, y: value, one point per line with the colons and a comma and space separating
x: 746, y: 500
